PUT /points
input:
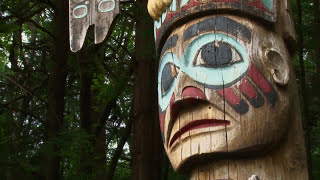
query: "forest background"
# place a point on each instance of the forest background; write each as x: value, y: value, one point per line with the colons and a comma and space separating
x: 93, y: 114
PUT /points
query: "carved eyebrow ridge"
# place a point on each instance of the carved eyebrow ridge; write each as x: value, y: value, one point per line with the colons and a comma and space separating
x: 219, y: 24
x: 170, y: 43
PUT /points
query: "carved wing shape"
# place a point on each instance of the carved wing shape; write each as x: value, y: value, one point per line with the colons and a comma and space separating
x: 83, y: 13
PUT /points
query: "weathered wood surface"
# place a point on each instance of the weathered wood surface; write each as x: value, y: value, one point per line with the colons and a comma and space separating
x: 227, y: 93
x: 83, y: 13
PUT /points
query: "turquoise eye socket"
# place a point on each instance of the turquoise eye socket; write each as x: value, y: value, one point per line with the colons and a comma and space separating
x: 167, y: 78
x: 214, y: 60
x: 231, y: 67
x: 216, y: 54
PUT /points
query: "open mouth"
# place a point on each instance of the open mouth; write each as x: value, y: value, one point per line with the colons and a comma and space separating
x: 203, y: 123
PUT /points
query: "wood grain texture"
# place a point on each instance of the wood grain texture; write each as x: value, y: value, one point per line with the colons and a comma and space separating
x: 83, y: 13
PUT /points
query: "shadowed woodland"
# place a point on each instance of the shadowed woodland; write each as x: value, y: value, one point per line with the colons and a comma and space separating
x: 94, y: 114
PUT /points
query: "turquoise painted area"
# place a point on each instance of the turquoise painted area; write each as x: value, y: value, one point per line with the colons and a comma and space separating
x: 173, y: 6
x: 155, y: 32
x: 214, y: 76
x: 157, y: 25
x: 209, y: 76
x: 164, y: 15
x: 81, y: 15
x: 268, y: 4
x: 107, y: 9
x: 183, y: 3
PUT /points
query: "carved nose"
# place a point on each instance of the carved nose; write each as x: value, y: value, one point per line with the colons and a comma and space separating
x: 190, y: 96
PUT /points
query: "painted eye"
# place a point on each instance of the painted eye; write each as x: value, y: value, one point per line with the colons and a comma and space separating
x: 169, y: 72
x: 217, y: 54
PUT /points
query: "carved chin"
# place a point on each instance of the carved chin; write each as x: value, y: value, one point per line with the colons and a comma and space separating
x: 202, y: 132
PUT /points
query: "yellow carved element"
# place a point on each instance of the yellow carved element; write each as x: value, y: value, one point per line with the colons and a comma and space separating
x: 157, y: 7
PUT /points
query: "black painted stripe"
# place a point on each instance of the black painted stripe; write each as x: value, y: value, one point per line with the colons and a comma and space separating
x: 170, y: 43
x: 272, y: 97
x: 257, y: 101
x: 166, y: 77
x: 224, y: 24
x: 241, y: 108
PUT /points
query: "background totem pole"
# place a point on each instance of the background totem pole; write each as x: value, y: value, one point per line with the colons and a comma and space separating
x: 227, y: 94
x: 83, y: 13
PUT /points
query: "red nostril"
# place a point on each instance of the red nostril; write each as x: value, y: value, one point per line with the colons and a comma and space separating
x: 193, y: 92
x: 162, y: 116
x: 173, y: 99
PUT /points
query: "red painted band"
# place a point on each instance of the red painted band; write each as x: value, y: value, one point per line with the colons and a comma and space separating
x: 258, y: 4
x: 247, y: 88
x: 259, y: 79
x: 196, y: 125
x: 162, y: 117
x: 229, y: 95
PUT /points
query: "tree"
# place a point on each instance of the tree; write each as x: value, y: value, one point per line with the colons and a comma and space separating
x: 147, y: 147
x: 56, y: 91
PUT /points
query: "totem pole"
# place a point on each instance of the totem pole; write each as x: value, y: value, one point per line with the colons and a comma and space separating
x: 228, y: 100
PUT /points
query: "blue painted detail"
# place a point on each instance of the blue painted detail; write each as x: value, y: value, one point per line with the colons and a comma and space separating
x: 107, y: 9
x: 268, y: 4
x: 155, y: 31
x: 213, y: 77
x: 183, y: 3
x: 79, y: 7
x: 173, y: 6
x: 157, y: 25
x: 164, y: 15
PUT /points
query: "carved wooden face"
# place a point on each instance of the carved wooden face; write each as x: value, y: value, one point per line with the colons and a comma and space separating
x: 223, y: 88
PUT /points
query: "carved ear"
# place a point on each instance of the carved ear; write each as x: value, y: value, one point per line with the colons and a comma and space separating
x: 278, y: 66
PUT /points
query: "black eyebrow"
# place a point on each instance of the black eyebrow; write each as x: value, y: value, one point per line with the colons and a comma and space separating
x: 219, y: 24
x: 170, y: 43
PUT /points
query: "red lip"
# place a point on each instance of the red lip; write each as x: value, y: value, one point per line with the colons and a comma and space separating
x: 197, y: 125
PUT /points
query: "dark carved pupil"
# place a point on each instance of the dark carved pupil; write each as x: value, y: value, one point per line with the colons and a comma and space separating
x: 166, y: 77
x: 216, y: 54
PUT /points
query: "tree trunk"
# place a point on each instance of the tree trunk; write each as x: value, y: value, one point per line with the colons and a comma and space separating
x: 316, y: 35
x: 303, y: 86
x: 146, y: 145
x: 118, y: 151
x: 56, y: 92
x: 100, y: 139
x: 165, y: 166
x: 85, y: 107
x: 14, y: 170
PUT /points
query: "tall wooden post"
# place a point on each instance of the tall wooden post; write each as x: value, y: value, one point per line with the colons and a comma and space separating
x: 228, y: 100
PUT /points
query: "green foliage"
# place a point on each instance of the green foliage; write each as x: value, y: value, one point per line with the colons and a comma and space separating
x: 123, y: 171
x: 72, y: 143
x: 4, y: 143
x: 7, y: 28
